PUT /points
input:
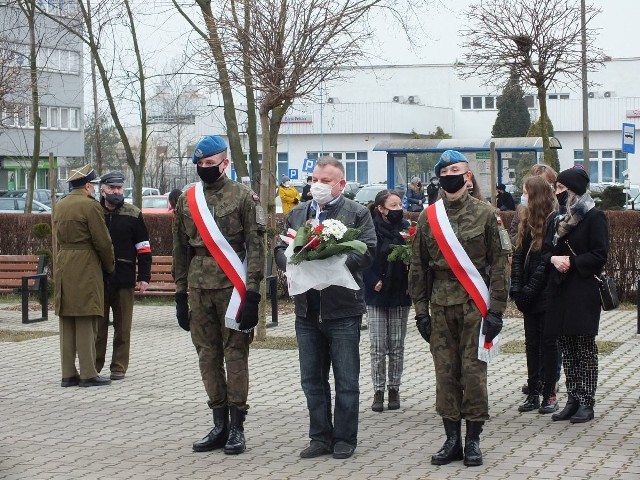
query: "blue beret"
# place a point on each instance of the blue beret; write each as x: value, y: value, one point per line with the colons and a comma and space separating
x: 208, y: 146
x: 449, y: 157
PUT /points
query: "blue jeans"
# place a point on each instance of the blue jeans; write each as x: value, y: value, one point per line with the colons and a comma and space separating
x: 325, y: 344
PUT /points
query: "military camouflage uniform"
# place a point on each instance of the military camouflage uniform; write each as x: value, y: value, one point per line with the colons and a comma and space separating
x: 240, y: 218
x: 461, y: 379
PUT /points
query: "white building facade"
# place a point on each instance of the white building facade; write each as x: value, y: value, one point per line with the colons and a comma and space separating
x: 382, y: 103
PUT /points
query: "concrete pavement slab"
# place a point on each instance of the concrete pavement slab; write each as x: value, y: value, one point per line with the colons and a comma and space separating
x: 143, y: 426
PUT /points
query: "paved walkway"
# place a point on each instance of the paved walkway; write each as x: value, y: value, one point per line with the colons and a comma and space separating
x: 143, y: 427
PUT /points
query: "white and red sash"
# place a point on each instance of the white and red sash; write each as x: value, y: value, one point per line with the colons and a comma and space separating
x: 455, y: 255
x: 220, y: 250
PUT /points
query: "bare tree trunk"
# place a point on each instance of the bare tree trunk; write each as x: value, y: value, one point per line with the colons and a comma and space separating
x: 96, y: 118
x: 544, y: 127
x: 237, y: 155
x: 28, y: 8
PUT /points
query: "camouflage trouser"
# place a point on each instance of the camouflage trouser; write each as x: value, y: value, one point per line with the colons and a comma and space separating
x: 461, y: 379
x: 216, y: 346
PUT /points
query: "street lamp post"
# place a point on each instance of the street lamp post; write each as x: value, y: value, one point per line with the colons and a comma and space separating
x: 585, y: 94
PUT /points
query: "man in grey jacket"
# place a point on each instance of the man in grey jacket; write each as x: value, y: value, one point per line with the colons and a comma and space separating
x: 328, y: 321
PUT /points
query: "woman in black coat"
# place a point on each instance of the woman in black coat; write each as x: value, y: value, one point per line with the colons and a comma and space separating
x: 579, y: 244
x: 529, y: 270
x: 388, y: 302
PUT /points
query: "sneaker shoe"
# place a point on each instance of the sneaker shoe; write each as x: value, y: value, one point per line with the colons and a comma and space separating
x: 531, y: 403
x: 549, y: 405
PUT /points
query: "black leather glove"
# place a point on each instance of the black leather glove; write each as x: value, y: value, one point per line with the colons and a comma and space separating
x: 491, y: 326
x: 249, y: 315
x: 423, y: 322
x: 182, y: 310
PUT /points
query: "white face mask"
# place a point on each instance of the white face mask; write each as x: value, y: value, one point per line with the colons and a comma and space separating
x: 524, y: 200
x: 286, y: 184
x: 321, y: 192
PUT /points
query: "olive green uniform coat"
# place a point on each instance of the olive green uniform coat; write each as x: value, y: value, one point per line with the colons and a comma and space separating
x: 461, y: 379
x: 84, y: 253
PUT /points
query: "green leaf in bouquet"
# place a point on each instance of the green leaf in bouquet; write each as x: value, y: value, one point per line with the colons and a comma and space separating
x: 301, y: 238
x: 400, y: 253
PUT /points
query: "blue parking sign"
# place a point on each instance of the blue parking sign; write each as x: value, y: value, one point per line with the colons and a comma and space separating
x: 308, y: 164
x: 293, y: 174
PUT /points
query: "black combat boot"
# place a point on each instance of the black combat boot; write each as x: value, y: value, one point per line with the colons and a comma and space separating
x: 235, y: 442
x: 217, y: 437
x: 568, y: 411
x: 452, y: 448
x: 378, y: 401
x: 394, y: 399
x: 472, y: 452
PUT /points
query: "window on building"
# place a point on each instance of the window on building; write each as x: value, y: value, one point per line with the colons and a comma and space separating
x: 356, y: 164
x: 529, y: 100
x: 44, y: 117
x: 64, y: 118
x: 604, y: 165
x: 74, y: 62
x: 22, y: 113
x: 564, y: 96
x: 489, y: 102
x: 54, y: 119
x: 74, y: 119
x: 283, y: 165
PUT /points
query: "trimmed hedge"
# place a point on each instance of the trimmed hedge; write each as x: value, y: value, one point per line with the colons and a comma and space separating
x: 16, y: 238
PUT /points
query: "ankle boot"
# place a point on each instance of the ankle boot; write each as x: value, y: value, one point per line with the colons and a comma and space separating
x: 394, y: 399
x: 531, y: 403
x: 582, y: 415
x: 568, y: 411
x: 235, y: 443
x: 452, y: 448
x: 378, y: 401
x: 472, y: 452
x: 217, y: 437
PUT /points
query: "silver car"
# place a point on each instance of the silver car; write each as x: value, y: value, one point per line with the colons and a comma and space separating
x: 16, y: 205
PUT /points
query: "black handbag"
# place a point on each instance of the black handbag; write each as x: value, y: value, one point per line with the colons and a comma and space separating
x: 607, y: 286
x: 608, y: 292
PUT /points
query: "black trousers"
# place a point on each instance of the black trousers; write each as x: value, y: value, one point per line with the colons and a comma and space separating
x: 542, y: 355
x: 580, y: 361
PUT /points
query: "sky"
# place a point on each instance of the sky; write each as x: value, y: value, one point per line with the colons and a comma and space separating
x: 165, y: 35
x: 436, y: 34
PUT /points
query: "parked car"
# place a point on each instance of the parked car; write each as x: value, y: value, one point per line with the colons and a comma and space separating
x: 350, y: 189
x: 16, y: 205
x: 146, y: 191
x: 368, y: 193
x: 42, y: 195
x: 155, y: 204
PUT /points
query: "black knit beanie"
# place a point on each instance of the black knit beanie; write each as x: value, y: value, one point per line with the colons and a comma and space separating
x: 575, y: 179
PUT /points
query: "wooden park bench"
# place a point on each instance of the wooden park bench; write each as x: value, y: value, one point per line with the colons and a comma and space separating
x: 25, y: 274
x: 161, y: 280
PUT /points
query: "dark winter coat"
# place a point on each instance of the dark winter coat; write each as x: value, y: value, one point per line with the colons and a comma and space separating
x: 130, y: 245
x: 505, y: 202
x: 529, y: 272
x: 574, y: 298
x: 432, y: 193
x: 334, y: 302
x: 415, y: 198
x: 394, y: 275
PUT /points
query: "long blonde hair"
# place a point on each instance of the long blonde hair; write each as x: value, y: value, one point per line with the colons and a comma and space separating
x: 540, y: 205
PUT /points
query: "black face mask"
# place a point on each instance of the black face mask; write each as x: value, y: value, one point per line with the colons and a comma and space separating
x: 452, y: 183
x: 114, y: 199
x: 562, y: 197
x: 209, y: 174
x: 395, y: 216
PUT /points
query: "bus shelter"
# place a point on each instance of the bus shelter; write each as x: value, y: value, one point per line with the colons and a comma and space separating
x: 477, y: 152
